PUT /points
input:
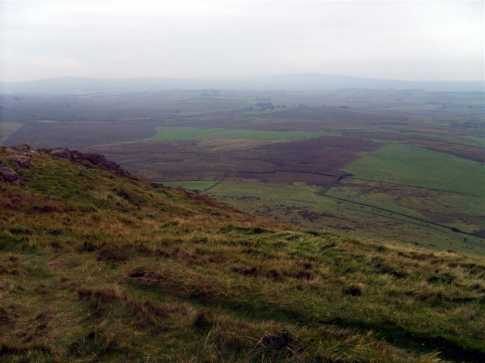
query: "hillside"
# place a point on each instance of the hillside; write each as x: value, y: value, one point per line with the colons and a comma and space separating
x: 97, y: 265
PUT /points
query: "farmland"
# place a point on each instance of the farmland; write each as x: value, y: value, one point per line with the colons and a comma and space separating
x: 355, y: 211
x: 191, y: 133
x: 406, y: 166
x: 267, y: 162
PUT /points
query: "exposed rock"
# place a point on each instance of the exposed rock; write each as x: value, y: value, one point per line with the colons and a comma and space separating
x: 87, y: 159
x: 21, y: 160
x: 20, y: 157
x: 22, y: 148
x: 8, y: 174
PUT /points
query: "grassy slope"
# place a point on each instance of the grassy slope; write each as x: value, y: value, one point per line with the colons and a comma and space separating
x: 96, y: 267
x: 307, y: 206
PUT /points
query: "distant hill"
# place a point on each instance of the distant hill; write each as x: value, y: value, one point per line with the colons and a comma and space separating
x: 310, y: 82
x: 324, y: 82
x: 98, y: 265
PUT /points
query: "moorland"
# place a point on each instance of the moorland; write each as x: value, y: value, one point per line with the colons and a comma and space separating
x: 401, y: 165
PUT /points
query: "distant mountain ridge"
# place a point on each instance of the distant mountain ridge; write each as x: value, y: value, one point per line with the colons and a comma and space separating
x: 290, y: 82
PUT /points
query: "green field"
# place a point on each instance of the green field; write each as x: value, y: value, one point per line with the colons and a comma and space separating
x: 192, y: 133
x: 308, y: 206
x: 408, y: 164
x: 400, y: 193
x: 477, y: 140
x: 194, y: 185
x: 453, y: 188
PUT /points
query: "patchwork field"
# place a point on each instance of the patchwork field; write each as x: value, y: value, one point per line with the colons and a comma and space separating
x: 398, y: 192
x: 345, y: 209
x: 397, y: 165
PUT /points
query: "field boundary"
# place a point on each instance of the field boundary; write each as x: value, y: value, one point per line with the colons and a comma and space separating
x: 417, y: 219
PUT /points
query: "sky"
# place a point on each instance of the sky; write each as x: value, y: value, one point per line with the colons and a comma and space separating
x: 234, y: 39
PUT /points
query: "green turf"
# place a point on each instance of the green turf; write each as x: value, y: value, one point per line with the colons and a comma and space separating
x: 408, y: 164
x: 192, y: 133
x: 195, y: 185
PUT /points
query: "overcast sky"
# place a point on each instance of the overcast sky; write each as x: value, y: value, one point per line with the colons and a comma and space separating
x: 396, y: 39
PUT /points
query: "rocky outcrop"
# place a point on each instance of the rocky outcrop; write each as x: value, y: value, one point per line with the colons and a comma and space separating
x: 21, y: 160
x: 87, y: 159
x: 20, y: 157
x: 8, y: 174
x: 17, y: 157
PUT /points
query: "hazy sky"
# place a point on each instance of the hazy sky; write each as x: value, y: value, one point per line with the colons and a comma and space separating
x: 399, y: 39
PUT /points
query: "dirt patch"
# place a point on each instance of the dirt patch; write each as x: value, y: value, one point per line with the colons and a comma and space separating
x: 245, y: 270
x: 144, y: 277
x: 202, y: 321
x: 277, y: 341
x: 113, y: 254
x: 353, y: 290
x: 5, y: 317
x: 383, y: 268
x: 146, y: 313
